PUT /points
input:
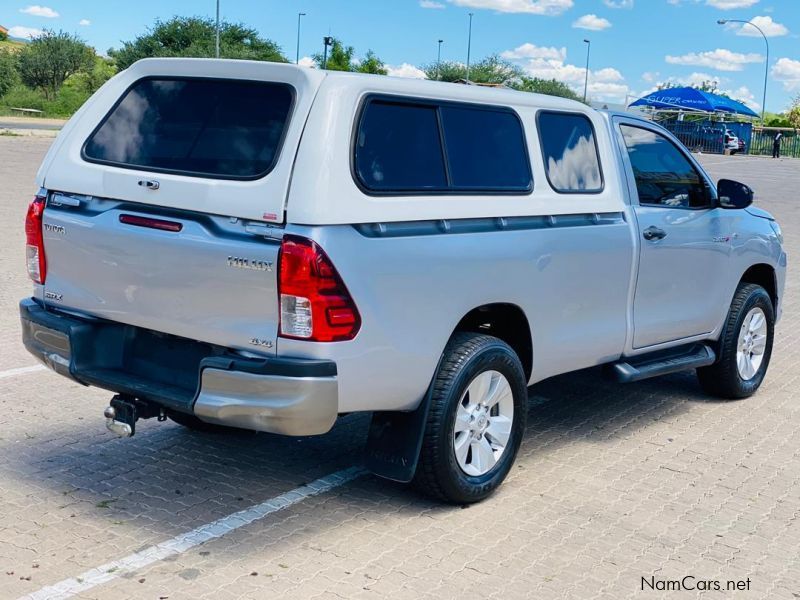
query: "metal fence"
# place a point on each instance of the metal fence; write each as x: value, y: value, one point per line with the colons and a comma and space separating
x: 698, y: 136
x: 762, y: 140
x: 708, y: 136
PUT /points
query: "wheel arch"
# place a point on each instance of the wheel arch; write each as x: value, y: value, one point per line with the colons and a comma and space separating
x: 505, y: 321
x: 764, y: 275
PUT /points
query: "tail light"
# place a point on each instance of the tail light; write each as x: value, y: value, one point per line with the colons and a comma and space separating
x: 314, y: 302
x: 34, y: 249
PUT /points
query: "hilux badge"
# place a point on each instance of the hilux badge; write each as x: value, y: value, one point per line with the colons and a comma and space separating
x: 237, y: 262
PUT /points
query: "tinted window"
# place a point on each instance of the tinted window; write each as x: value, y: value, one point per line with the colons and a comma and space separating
x: 399, y: 148
x: 570, y: 152
x: 203, y: 127
x: 485, y: 149
x: 664, y: 176
x: 409, y: 147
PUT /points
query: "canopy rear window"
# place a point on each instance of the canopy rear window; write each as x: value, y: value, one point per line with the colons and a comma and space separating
x: 218, y: 128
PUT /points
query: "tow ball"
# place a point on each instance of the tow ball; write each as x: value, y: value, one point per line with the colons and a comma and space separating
x: 124, y: 411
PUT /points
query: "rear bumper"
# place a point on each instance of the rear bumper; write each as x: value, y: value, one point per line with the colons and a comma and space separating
x: 277, y: 395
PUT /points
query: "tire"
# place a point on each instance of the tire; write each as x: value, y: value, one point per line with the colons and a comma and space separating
x: 725, y: 378
x: 483, y: 362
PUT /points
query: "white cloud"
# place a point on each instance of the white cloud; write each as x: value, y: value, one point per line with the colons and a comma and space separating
x: 650, y: 76
x: 39, y: 11
x: 607, y: 75
x: 528, y: 50
x: 731, y: 4
x: 618, y: 3
x: 84, y: 22
x: 592, y: 23
x: 744, y: 95
x: 766, y: 24
x: 307, y: 61
x: 787, y: 71
x: 24, y: 32
x: 607, y: 92
x: 721, y: 59
x: 405, y: 70
x: 534, y: 7
x: 606, y: 84
x: 430, y: 4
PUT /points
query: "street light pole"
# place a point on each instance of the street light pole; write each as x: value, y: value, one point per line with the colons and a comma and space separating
x: 469, y: 44
x: 216, y: 41
x: 297, y: 59
x: 586, y: 77
x: 439, y: 60
x: 766, y: 67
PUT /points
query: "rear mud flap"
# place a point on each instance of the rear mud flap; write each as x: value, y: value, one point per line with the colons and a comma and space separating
x: 395, y: 440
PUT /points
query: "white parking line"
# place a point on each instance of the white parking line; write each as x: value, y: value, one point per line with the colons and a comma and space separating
x: 22, y: 371
x: 181, y: 543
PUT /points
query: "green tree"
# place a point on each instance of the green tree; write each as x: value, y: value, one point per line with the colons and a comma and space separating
x: 89, y: 81
x: 8, y: 71
x: 339, y: 58
x: 195, y: 37
x: 50, y: 58
x: 372, y: 64
x: 343, y: 58
x: 491, y: 69
x: 551, y: 87
x: 793, y: 115
x: 3, y: 36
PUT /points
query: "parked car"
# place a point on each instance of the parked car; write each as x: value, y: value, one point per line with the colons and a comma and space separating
x: 264, y: 246
x: 732, y: 142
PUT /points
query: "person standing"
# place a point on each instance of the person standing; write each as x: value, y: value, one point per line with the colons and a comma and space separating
x: 776, y: 145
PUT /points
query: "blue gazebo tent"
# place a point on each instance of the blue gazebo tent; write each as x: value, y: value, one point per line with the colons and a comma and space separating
x: 689, y: 99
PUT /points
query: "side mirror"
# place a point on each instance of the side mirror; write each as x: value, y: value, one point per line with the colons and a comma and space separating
x: 733, y: 194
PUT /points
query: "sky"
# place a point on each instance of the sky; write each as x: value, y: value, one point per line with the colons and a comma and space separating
x: 635, y: 44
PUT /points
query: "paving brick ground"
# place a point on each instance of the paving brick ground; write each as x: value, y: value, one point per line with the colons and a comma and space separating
x: 613, y: 483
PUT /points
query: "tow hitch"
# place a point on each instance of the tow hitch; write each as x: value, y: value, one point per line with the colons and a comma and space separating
x: 124, y: 411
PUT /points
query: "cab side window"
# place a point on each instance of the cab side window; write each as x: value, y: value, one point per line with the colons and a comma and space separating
x: 664, y: 176
x: 570, y: 154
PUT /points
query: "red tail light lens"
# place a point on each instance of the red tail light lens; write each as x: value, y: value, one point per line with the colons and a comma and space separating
x: 34, y: 249
x: 314, y: 302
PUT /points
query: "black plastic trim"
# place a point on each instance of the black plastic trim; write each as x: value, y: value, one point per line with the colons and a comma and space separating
x: 97, y: 350
x: 663, y: 362
x: 485, y: 224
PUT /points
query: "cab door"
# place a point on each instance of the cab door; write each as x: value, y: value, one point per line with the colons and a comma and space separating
x: 685, y: 239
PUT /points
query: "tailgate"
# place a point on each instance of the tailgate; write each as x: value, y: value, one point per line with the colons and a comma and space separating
x: 197, y: 276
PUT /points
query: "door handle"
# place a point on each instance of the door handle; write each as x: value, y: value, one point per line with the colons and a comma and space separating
x: 654, y: 233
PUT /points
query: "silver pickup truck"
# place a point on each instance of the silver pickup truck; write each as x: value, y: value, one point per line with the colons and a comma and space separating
x: 267, y: 247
